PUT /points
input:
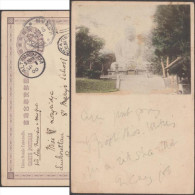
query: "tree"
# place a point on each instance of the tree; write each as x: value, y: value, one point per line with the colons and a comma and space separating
x: 171, y: 36
x: 105, y: 60
x: 87, y: 50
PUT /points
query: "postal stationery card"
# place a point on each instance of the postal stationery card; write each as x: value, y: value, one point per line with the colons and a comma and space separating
x: 35, y: 98
x: 132, y: 97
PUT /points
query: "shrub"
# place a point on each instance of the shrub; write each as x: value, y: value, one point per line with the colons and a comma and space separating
x: 93, y: 74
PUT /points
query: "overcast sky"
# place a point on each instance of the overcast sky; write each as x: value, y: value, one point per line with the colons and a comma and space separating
x: 109, y: 21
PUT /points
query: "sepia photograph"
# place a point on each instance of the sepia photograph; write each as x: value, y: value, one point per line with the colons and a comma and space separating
x: 134, y: 49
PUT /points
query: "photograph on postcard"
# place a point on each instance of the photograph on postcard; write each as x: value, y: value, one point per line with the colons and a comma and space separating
x: 133, y: 50
x: 132, y: 97
x: 35, y: 98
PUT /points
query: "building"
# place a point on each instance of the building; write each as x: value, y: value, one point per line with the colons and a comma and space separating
x: 175, y: 79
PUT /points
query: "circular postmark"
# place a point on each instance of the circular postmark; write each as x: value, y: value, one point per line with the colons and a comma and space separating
x: 63, y: 45
x: 46, y: 27
x: 31, y: 64
x: 30, y: 39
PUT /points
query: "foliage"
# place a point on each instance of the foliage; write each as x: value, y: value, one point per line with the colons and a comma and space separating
x: 84, y: 85
x: 87, y: 50
x: 155, y: 66
x: 91, y: 62
x: 171, y: 35
x: 106, y: 60
x: 93, y: 74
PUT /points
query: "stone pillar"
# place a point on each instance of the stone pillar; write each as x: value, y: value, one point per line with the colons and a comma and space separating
x: 118, y: 81
x: 117, y: 77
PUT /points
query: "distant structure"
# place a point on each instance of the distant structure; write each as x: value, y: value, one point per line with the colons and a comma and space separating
x: 115, y: 69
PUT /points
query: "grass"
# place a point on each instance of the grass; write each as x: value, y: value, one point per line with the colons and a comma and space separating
x: 84, y: 85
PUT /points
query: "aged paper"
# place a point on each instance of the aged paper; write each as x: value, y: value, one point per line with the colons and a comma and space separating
x: 35, y: 98
x: 132, y: 129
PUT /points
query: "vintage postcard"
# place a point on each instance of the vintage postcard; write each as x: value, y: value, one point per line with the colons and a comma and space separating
x: 132, y: 97
x: 35, y: 98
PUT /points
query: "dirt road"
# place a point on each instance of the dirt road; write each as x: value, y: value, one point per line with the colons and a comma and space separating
x: 142, y: 84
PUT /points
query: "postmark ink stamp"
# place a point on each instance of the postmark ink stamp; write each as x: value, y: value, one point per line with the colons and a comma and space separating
x: 30, y: 39
x: 63, y: 45
x: 46, y: 27
x: 31, y: 64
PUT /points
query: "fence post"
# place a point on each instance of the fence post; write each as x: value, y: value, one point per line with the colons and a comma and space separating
x: 117, y: 81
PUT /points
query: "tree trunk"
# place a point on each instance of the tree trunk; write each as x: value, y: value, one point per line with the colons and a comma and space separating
x: 90, y: 66
x: 102, y: 69
x: 167, y: 61
x: 163, y: 68
x: 167, y: 65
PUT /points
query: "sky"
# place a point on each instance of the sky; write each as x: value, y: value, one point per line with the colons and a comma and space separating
x: 110, y: 21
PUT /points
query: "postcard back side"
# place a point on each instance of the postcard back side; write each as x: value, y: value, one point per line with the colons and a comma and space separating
x: 35, y: 98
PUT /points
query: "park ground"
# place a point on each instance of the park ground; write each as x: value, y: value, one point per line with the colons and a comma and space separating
x: 84, y: 85
x: 128, y: 85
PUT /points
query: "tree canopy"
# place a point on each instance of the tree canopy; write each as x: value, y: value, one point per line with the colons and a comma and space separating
x: 171, y: 36
x: 87, y: 50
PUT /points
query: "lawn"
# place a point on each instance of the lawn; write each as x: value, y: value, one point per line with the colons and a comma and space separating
x: 84, y: 85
